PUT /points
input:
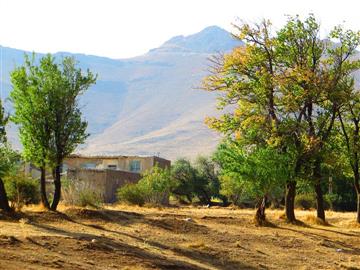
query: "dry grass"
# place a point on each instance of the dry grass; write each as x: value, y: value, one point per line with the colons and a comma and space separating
x: 123, y: 237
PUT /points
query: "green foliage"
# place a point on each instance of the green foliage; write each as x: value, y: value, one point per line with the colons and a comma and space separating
x: 21, y: 190
x: 46, y: 102
x: 284, y: 92
x: 305, y: 201
x: 255, y: 171
x: 232, y: 188
x: 45, y: 99
x: 131, y: 194
x: 207, y: 184
x: 153, y: 188
x: 156, y: 185
x: 195, y: 181
x: 9, y: 160
x: 184, y: 176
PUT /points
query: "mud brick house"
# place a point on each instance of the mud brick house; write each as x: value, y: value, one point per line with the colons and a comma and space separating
x: 106, y: 173
x: 134, y: 164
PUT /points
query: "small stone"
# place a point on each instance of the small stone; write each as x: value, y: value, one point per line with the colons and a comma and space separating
x: 189, y: 219
x: 93, y: 240
x: 339, y: 250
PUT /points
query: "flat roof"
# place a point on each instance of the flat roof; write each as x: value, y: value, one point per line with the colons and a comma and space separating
x: 110, y: 156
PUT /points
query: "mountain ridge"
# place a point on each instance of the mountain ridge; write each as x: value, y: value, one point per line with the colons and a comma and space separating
x: 147, y: 104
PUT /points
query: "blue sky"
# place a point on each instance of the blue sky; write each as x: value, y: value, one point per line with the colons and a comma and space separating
x: 126, y: 28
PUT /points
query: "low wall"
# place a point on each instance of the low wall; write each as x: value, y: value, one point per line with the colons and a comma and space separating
x: 105, y: 181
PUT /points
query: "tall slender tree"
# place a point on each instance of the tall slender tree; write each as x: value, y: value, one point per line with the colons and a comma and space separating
x: 68, y: 127
x: 349, y: 113
x: 45, y: 99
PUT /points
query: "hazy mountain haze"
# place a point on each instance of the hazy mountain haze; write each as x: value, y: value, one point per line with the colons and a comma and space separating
x: 148, y: 104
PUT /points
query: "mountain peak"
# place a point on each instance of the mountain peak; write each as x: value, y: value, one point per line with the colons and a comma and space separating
x: 209, y: 40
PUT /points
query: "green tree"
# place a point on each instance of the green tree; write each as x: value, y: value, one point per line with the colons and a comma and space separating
x: 285, y: 90
x: 349, y: 118
x: 249, y: 79
x: 184, y: 176
x: 68, y: 127
x: 207, y: 184
x: 45, y: 99
x: 316, y: 78
x: 261, y: 172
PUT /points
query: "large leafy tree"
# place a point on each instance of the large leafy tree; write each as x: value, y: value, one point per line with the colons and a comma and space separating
x: 286, y: 89
x: 45, y: 98
x: 315, y: 82
x: 249, y: 79
x: 349, y: 112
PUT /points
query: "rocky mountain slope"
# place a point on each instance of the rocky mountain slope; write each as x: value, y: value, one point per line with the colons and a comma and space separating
x: 148, y: 104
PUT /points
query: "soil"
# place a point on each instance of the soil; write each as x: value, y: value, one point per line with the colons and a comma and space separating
x: 123, y: 237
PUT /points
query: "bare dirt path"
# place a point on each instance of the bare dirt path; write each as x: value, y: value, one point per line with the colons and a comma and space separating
x: 126, y: 237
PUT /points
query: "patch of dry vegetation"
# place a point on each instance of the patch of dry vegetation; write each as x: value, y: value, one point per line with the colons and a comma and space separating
x: 124, y: 237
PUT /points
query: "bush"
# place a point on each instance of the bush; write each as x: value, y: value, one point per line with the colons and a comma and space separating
x: 21, y: 190
x: 308, y: 200
x: 131, y: 194
x: 305, y: 201
x: 231, y: 188
x: 80, y: 193
x: 153, y: 188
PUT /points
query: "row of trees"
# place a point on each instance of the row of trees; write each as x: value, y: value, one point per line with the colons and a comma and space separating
x: 45, y: 97
x: 292, y: 108
x: 187, y: 182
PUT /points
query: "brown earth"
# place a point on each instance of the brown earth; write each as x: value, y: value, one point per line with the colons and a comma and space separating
x: 124, y: 237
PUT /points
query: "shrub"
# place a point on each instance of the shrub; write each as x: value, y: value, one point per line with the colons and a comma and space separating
x: 153, y: 188
x: 232, y: 188
x: 80, y: 193
x: 21, y: 190
x: 305, y: 201
x: 131, y: 194
x: 156, y: 185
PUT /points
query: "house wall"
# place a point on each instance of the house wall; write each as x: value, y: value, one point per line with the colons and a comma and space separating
x: 122, y: 163
x: 162, y: 163
x: 105, y: 181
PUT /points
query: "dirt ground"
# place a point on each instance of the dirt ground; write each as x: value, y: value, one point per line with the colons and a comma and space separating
x: 124, y: 237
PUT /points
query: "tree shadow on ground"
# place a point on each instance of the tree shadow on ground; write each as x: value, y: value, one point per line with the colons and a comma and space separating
x: 90, y: 242
x: 161, y: 261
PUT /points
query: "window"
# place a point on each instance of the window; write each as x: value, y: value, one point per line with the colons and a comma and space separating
x: 112, y: 167
x: 88, y: 165
x: 135, y: 166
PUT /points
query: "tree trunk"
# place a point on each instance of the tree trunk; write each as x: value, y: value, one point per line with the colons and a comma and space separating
x: 320, y: 211
x: 44, y: 199
x: 358, y: 208
x: 357, y: 189
x: 319, y: 195
x: 290, y: 201
x: 260, y: 216
x: 57, y: 192
x: 4, y: 203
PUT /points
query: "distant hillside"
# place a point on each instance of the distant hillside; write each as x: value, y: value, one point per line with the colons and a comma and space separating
x: 148, y: 104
